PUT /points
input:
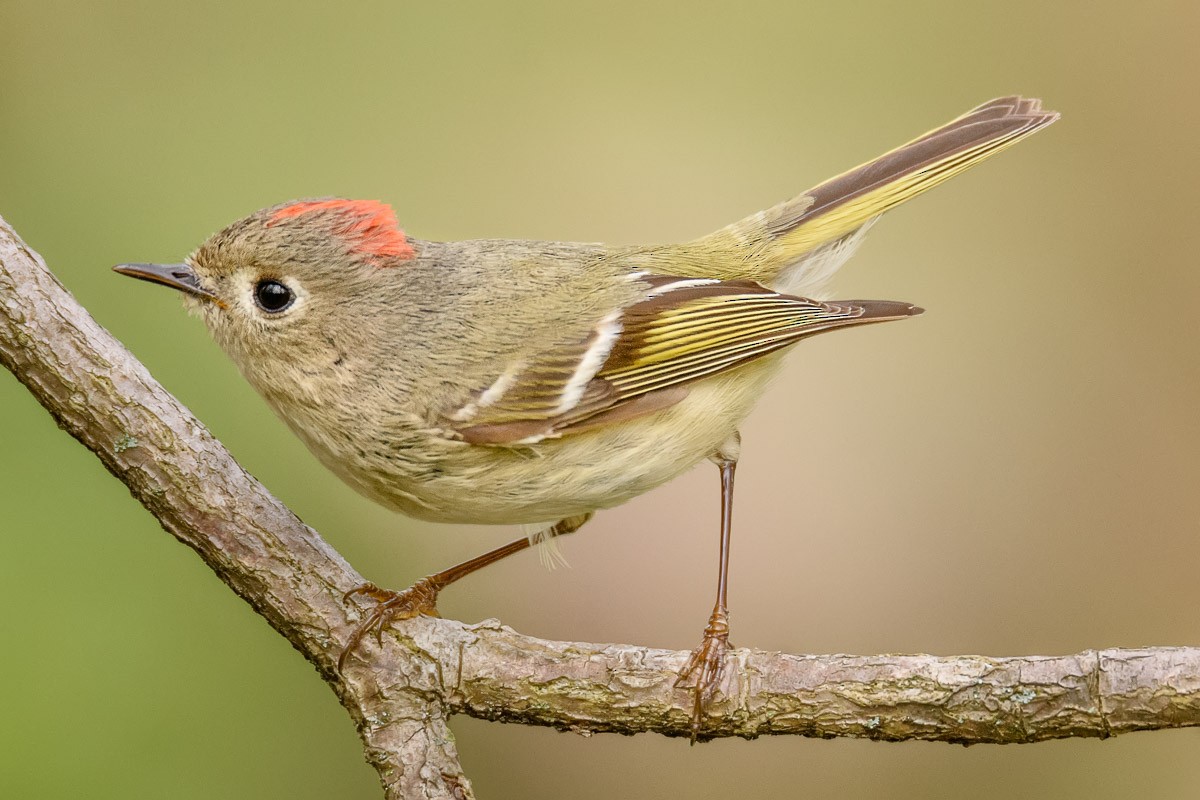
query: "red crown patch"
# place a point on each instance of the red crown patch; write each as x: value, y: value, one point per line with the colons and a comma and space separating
x: 369, y: 225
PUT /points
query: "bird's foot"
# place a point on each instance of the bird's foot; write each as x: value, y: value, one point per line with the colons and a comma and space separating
x: 706, y: 666
x: 420, y: 598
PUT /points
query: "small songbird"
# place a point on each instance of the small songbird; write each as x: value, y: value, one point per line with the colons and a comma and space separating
x: 526, y: 382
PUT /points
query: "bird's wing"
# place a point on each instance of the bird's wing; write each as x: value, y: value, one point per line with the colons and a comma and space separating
x: 641, y: 358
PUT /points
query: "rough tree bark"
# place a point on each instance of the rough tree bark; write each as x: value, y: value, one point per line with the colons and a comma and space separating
x: 401, y: 694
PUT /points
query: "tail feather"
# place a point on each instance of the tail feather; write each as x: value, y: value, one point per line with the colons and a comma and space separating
x: 799, y: 243
x: 841, y: 204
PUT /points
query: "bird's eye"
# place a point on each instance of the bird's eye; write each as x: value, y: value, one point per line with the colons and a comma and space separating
x: 272, y: 296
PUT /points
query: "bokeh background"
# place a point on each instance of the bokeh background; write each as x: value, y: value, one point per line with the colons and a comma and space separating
x: 1015, y: 472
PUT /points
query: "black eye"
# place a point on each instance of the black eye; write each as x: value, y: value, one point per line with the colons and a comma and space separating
x: 272, y: 296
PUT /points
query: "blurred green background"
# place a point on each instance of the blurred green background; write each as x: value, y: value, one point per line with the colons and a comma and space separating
x: 1013, y: 473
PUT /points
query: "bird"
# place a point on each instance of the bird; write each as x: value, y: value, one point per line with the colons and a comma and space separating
x: 503, y: 382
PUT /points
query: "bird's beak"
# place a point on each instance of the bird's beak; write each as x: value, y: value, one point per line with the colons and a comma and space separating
x: 177, y: 276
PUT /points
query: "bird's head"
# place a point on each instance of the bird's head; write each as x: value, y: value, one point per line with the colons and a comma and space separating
x: 287, y: 282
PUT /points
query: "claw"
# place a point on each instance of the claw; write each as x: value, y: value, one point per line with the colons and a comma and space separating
x: 369, y: 589
x: 420, y: 598
x: 705, y: 668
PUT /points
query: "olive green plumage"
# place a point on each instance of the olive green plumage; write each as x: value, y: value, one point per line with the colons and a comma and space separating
x: 499, y: 381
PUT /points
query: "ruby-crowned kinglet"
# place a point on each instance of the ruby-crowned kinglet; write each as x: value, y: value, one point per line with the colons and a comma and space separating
x: 503, y: 382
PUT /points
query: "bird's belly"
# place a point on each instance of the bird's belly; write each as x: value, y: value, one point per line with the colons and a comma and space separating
x: 558, y: 478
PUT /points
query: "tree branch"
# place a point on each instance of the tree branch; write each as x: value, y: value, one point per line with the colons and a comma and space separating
x: 401, y: 696
x: 106, y: 399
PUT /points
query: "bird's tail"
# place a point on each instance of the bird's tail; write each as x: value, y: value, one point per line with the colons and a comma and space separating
x: 798, y: 244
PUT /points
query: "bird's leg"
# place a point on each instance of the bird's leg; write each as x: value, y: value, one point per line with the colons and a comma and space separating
x: 704, y: 669
x: 421, y: 597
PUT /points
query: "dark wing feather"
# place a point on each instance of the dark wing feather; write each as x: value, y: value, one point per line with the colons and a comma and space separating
x: 642, y: 359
